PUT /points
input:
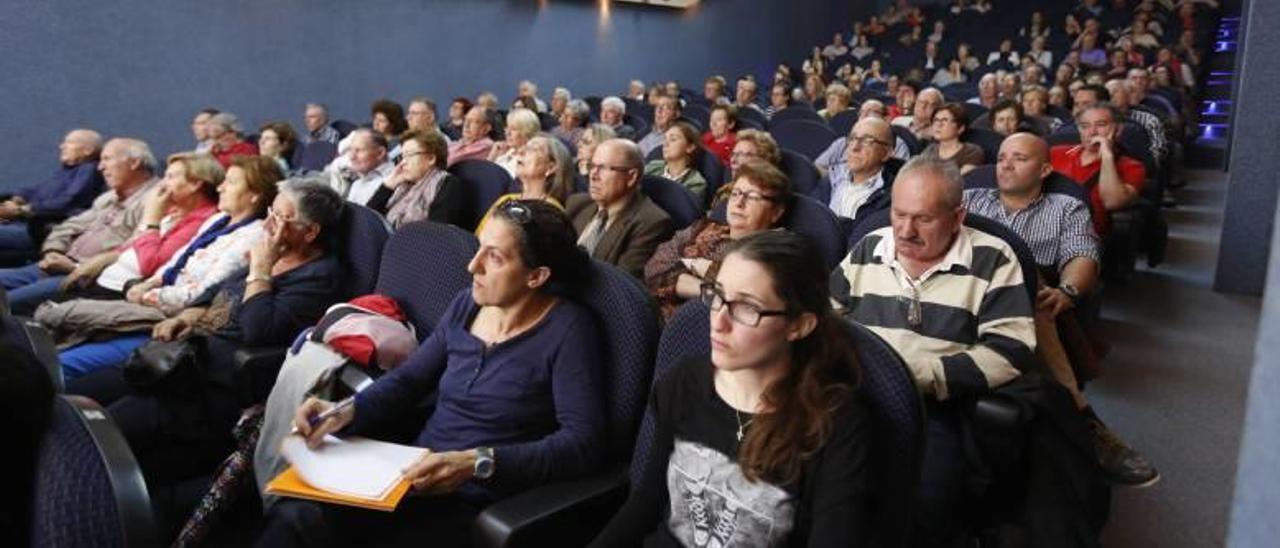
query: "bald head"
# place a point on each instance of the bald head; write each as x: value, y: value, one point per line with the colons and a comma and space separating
x: 1022, y: 165
x: 871, y: 108
x: 79, y: 146
x: 870, y: 145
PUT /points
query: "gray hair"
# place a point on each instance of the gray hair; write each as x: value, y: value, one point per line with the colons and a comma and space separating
x: 631, y: 155
x: 1117, y: 117
x: 137, y: 149
x: 946, y: 170
x: 323, y: 107
x: 227, y: 120
x: 562, y: 93
x: 614, y: 102
x: 579, y: 109
x: 316, y: 201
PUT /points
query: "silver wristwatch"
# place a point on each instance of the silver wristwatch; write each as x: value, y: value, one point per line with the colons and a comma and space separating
x: 484, y: 463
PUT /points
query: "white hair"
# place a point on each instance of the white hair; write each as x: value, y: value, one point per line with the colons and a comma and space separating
x: 614, y: 102
x: 563, y: 93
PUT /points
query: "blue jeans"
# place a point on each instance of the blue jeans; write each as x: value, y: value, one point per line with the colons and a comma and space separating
x: 85, y: 358
x: 14, y: 236
x: 28, y: 286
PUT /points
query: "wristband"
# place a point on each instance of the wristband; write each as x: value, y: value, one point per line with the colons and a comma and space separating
x: 257, y: 278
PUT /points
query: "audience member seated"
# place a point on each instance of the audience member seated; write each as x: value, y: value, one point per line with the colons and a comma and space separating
x: 988, y: 91
x: 838, y: 99
x: 171, y: 215
x: 277, y: 140
x: 100, y: 334
x: 573, y: 120
x: 745, y: 94
x: 920, y: 120
x: 522, y: 125
x: 315, y: 117
x: 545, y: 172
x: 228, y: 142
x: 836, y: 48
x: 953, y: 73
x: 713, y: 90
x: 862, y: 48
x: 758, y: 201
x: 764, y: 442
x: 963, y: 326
x: 1004, y: 57
x: 72, y: 187
x: 388, y: 119
x: 616, y: 223
x: 719, y: 140
x: 1113, y: 180
x: 678, y: 162
x: 1035, y: 110
x: 357, y: 175
x: 128, y: 167
x: 950, y: 122
x: 474, y: 144
x: 560, y: 98
x: 612, y: 110
x: 1118, y: 90
x: 419, y: 188
x: 779, y: 98
x: 458, y: 109
x: 859, y: 184
x: 200, y: 129
x: 1057, y: 229
x: 421, y: 116
x: 666, y: 111
x: 183, y: 428
x: 528, y: 89
x: 591, y: 137
x: 541, y: 391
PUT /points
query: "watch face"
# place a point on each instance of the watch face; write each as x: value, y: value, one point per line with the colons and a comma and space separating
x: 484, y: 468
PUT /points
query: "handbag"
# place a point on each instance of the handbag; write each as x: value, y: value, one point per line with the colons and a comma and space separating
x: 158, y: 363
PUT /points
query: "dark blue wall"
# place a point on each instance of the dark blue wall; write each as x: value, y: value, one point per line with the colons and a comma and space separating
x: 141, y: 68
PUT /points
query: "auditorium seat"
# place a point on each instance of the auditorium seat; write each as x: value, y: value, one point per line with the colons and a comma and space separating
x: 796, y: 112
x: 673, y: 198
x: 843, y: 123
x: 315, y: 156
x: 804, y: 136
x: 755, y: 118
x: 810, y: 218
x: 989, y: 141
x: 484, y: 182
x: 801, y: 171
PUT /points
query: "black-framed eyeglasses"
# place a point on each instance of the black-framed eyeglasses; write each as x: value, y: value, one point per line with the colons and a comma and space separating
x: 617, y: 169
x: 741, y: 312
x: 866, y: 140
x: 751, y: 196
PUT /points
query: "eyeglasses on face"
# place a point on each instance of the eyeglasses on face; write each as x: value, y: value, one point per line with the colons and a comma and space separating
x: 741, y: 312
x: 591, y: 168
x: 866, y: 140
x: 271, y: 214
x: 751, y: 196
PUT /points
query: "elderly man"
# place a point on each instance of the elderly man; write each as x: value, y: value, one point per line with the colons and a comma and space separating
x: 921, y: 118
x: 364, y: 168
x: 860, y: 184
x: 560, y: 98
x: 475, y: 142
x: 745, y: 95
x: 228, y: 142
x: 636, y: 90
x: 988, y: 91
x: 612, y: 111
x: 573, y: 121
x: 1119, y: 90
x: 529, y: 89
x: 665, y: 113
x: 1010, y: 85
x: 616, y: 223
x: 71, y: 188
x: 129, y: 168
x: 316, y: 119
x: 1057, y: 229
x: 200, y: 129
x: 713, y: 89
x: 1113, y: 180
x: 421, y: 116
x: 950, y: 300
x: 832, y: 160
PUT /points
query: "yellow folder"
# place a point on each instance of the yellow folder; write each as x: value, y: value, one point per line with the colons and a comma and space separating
x: 289, y: 484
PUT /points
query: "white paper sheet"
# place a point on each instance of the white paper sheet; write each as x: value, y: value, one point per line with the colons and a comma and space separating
x: 355, y: 467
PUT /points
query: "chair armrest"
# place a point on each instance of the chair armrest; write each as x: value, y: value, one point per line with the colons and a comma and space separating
x: 256, y: 369
x: 996, y: 413
x: 564, y: 514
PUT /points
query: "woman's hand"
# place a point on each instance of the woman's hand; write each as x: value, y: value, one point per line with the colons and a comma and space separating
x: 264, y: 254
x: 171, y: 329
x: 313, y: 407
x: 135, y: 293
x: 158, y: 203
x: 441, y: 473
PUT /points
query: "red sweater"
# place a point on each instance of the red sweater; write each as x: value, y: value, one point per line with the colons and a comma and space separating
x: 722, y: 149
x: 154, y: 249
x: 1066, y: 160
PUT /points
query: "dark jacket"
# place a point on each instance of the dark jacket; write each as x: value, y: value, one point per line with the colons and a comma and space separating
x: 632, y: 236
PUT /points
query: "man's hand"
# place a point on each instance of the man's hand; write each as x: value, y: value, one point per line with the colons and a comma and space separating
x: 135, y: 293
x: 10, y: 209
x: 171, y: 329
x: 1053, y: 301
x: 441, y: 473
x: 56, y: 263
x: 264, y: 254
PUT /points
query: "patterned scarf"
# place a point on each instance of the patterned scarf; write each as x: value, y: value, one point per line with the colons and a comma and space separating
x: 412, y: 202
x: 216, y: 230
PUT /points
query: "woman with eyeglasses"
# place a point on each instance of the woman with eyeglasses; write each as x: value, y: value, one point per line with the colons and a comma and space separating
x: 544, y: 172
x: 764, y: 442
x: 950, y: 122
x: 181, y: 426
x: 759, y: 200
x: 419, y: 188
x: 680, y: 145
x: 591, y: 137
x: 102, y: 334
x: 515, y: 365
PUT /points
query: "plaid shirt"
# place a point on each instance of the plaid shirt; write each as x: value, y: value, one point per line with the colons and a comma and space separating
x: 1055, y: 226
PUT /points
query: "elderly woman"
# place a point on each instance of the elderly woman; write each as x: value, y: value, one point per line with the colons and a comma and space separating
x: 767, y: 434
x: 277, y: 140
x: 522, y: 125
x: 218, y: 251
x: 419, y: 188
x: 719, y: 140
x: 591, y: 137
x: 679, y: 149
x: 180, y: 205
x: 838, y: 100
x: 950, y: 122
x: 183, y: 427
x: 572, y: 122
x: 511, y: 347
x: 759, y: 200
x: 545, y: 172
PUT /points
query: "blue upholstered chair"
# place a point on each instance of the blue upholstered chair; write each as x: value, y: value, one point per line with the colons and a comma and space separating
x: 483, y: 182
x: 423, y: 267
x: 557, y: 514
x: 796, y: 112
x: 804, y: 136
x: 800, y: 169
x: 842, y: 123
x: 89, y: 490
x: 813, y: 219
x: 673, y: 198
x: 314, y: 156
x: 989, y: 141
x: 756, y: 118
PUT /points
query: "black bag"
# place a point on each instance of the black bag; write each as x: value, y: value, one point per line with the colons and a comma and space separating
x: 158, y: 363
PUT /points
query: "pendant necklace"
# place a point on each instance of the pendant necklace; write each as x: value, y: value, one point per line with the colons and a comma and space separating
x: 741, y: 425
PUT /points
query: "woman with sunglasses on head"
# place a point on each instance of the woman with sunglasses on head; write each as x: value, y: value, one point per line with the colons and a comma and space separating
x: 759, y: 199
x: 516, y: 369
x: 764, y: 442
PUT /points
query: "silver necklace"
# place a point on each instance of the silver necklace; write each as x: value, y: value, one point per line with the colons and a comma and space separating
x: 741, y: 425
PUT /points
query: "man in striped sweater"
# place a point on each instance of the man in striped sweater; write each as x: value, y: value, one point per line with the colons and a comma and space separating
x: 951, y: 301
